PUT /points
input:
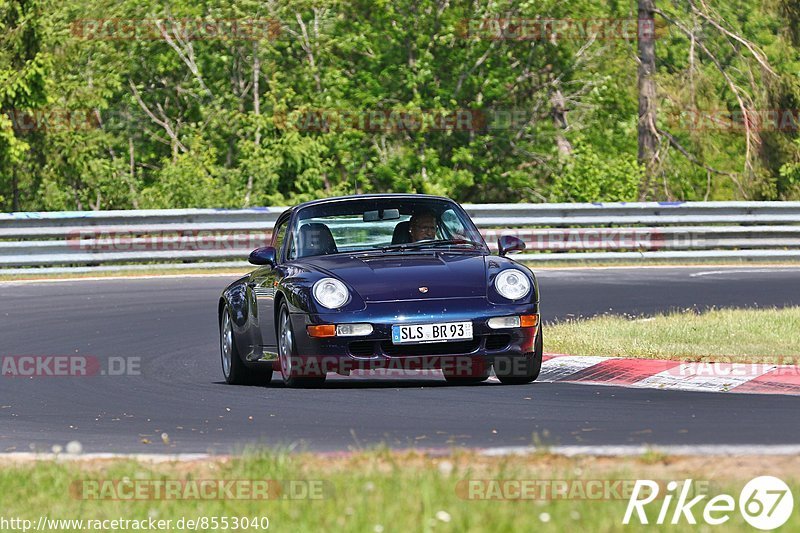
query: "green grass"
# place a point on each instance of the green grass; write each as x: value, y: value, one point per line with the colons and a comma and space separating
x: 381, y: 491
x: 725, y: 335
x: 654, y: 262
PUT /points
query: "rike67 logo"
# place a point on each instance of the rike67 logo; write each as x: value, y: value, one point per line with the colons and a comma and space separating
x: 765, y: 503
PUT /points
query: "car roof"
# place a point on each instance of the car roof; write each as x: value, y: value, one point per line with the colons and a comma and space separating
x: 289, y: 212
x: 351, y: 197
x: 370, y: 197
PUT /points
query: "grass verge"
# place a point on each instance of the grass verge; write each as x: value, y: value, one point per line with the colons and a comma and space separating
x: 650, y: 262
x: 383, y: 491
x: 729, y: 335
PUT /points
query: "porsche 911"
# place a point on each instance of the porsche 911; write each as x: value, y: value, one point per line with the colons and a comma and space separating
x: 384, y: 281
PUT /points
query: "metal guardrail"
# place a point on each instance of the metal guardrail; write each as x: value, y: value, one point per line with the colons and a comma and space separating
x: 605, y: 231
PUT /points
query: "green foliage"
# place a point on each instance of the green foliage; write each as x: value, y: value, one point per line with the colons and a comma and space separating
x: 22, y: 78
x: 589, y: 177
x: 231, y: 121
x: 790, y: 177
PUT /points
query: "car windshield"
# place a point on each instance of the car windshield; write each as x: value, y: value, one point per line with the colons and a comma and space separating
x: 382, y: 225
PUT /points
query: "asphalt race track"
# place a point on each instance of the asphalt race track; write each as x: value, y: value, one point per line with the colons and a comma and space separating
x: 170, y: 324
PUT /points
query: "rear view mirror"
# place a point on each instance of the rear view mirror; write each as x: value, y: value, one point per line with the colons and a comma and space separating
x: 263, y: 256
x: 383, y: 214
x: 509, y: 243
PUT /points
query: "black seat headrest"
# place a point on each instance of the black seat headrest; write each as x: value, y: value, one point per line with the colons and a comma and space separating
x: 402, y: 233
x: 315, y: 238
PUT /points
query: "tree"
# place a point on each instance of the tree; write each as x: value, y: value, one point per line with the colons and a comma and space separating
x: 648, y: 104
x: 22, y: 87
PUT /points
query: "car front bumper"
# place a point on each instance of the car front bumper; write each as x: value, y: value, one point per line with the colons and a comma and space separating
x: 376, y: 351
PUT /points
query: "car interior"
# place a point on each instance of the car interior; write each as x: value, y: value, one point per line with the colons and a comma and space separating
x: 402, y: 233
x: 315, y: 238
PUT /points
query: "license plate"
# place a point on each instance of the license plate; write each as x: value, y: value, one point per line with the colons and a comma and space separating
x: 407, y: 334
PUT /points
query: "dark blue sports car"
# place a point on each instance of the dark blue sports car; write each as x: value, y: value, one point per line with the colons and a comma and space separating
x: 388, y: 281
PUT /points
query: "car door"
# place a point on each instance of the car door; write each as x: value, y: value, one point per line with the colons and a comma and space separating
x: 264, y: 283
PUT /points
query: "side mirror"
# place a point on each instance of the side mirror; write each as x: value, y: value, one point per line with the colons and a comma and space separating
x: 263, y: 256
x: 509, y: 243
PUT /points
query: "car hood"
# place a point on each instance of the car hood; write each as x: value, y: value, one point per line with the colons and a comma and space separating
x: 391, y: 277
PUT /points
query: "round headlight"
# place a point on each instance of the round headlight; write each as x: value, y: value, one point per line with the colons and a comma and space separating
x: 330, y: 293
x: 512, y: 284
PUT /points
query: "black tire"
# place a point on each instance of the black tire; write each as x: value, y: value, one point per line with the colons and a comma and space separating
x: 292, y: 376
x: 522, y: 370
x: 233, y: 368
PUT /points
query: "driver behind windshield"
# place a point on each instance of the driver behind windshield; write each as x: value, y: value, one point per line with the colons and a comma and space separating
x: 422, y: 226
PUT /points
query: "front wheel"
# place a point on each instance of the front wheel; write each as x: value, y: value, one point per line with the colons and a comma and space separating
x: 293, y: 375
x: 233, y: 368
x: 521, y: 370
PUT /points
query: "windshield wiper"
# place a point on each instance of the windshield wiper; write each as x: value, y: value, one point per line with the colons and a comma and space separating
x: 433, y: 242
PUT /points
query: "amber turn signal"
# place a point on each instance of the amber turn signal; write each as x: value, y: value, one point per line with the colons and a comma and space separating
x: 324, y: 330
x: 529, y: 321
